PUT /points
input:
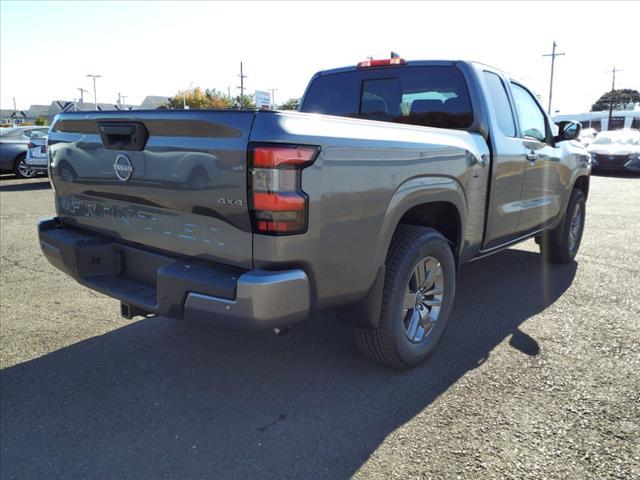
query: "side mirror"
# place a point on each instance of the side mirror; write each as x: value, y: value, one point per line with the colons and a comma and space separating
x: 567, y: 130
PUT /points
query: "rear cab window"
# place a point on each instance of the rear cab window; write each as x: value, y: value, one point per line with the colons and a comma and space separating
x: 432, y: 96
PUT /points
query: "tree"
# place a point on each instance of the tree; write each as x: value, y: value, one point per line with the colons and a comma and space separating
x: 199, y: 99
x: 291, y: 104
x: 248, y: 103
x: 41, y: 120
x: 208, y: 99
x: 619, y: 98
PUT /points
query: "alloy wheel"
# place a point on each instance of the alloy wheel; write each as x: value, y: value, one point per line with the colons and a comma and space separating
x: 423, y: 299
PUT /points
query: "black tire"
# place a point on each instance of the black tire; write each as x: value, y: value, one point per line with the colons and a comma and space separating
x: 20, y: 168
x: 389, y: 342
x: 561, y: 244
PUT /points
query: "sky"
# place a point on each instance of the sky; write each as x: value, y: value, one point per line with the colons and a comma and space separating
x: 159, y: 48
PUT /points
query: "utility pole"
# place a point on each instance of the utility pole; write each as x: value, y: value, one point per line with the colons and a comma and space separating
x: 82, y: 92
x: 613, y: 93
x: 273, y: 97
x: 15, y: 110
x: 95, y: 95
x: 184, y: 97
x: 241, y: 87
x: 553, y: 56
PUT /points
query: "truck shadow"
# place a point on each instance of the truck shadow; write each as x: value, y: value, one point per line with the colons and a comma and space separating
x: 159, y: 398
x: 26, y: 185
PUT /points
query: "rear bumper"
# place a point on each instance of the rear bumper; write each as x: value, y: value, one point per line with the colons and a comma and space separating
x: 220, y: 295
x: 37, y: 164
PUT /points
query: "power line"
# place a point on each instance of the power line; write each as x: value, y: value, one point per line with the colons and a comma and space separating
x: 82, y: 92
x: 241, y: 87
x: 95, y: 96
x: 553, y: 56
x: 273, y: 97
x: 613, y: 93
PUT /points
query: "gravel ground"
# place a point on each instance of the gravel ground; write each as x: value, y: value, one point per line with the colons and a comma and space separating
x: 538, y: 375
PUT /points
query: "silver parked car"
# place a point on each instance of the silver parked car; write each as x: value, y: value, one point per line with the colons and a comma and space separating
x: 14, y: 143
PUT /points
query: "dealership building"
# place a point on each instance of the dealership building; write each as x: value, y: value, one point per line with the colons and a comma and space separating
x: 599, y: 121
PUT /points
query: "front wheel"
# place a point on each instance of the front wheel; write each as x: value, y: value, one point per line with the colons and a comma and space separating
x: 21, y: 169
x: 419, y: 290
x: 561, y: 244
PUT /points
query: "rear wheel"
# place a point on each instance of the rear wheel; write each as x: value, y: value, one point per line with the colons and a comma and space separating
x: 418, y: 294
x: 66, y: 172
x: 21, y: 169
x: 561, y: 244
x: 199, y: 179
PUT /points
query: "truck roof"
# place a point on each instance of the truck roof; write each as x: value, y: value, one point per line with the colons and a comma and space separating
x: 414, y: 63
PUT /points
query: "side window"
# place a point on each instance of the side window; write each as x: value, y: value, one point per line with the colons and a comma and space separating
x: 333, y: 95
x: 530, y: 116
x: 501, y: 104
x: 17, y: 135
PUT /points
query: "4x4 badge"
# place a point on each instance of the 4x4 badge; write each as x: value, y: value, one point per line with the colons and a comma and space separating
x: 230, y: 202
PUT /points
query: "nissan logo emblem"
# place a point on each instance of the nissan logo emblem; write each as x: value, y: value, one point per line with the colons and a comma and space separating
x: 123, y: 167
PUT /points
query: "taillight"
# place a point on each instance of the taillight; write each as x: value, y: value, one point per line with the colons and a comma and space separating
x: 278, y: 206
x: 31, y: 145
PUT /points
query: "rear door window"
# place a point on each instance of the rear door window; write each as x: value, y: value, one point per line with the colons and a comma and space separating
x: 501, y: 104
x: 429, y: 96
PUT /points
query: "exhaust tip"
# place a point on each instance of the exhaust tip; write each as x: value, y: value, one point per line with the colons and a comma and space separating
x: 282, y: 331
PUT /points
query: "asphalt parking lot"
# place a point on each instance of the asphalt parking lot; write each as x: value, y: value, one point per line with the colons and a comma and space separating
x: 538, y: 375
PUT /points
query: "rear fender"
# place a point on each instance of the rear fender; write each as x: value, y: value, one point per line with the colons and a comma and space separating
x: 414, y: 192
x: 419, y: 191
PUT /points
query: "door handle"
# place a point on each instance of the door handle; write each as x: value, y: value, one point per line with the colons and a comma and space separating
x: 532, y: 157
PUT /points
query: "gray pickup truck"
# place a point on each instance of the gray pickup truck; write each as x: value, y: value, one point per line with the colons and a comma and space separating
x: 368, y: 200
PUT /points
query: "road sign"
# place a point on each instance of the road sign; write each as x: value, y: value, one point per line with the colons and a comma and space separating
x: 263, y: 99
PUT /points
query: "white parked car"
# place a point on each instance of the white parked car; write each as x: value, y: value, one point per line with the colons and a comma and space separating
x: 587, y: 135
x: 37, y: 155
x: 616, y: 150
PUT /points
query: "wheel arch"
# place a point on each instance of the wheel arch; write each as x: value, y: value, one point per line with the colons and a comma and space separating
x: 582, y: 183
x: 434, y: 202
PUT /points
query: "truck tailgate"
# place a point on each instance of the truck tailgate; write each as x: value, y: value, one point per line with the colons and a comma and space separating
x: 170, y: 179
